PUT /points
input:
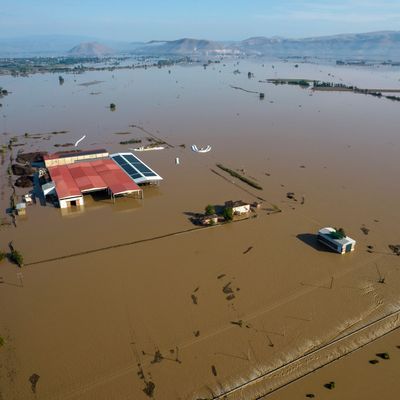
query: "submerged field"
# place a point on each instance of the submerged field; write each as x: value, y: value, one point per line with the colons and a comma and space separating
x: 152, y: 318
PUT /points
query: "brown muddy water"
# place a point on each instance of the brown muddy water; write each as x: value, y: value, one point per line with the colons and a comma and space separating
x: 123, y: 323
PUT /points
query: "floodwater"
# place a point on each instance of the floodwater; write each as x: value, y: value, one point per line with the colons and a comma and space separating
x: 122, y: 323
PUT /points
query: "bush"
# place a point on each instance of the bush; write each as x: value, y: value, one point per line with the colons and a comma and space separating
x: 228, y: 214
x: 210, y: 210
x: 16, y: 257
x: 2, y: 256
x: 112, y: 106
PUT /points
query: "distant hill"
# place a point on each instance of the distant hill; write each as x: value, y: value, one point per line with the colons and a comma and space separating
x: 367, y: 45
x: 90, y: 49
x: 374, y: 45
x: 184, y: 46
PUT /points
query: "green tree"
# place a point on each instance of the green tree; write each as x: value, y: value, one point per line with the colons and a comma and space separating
x: 210, y: 210
x: 17, y: 258
x: 228, y: 214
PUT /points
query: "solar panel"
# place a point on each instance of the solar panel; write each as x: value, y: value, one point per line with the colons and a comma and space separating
x: 135, y: 168
x: 120, y: 160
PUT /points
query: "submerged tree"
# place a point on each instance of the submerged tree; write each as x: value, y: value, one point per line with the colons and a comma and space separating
x: 210, y: 210
x: 112, y: 107
x: 228, y: 214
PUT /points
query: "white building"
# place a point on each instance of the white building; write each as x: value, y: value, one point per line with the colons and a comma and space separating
x: 238, y: 207
x: 330, y: 238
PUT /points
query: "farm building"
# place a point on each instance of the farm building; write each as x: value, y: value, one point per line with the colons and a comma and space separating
x: 238, y: 207
x: 209, y: 219
x: 331, y: 238
x: 73, y: 180
x: 73, y: 156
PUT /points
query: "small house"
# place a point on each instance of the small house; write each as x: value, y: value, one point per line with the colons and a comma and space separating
x: 331, y: 238
x: 20, y: 209
x: 238, y: 207
x: 209, y: 219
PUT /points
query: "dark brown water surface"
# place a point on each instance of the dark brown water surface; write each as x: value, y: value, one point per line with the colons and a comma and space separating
x: 84, y: 323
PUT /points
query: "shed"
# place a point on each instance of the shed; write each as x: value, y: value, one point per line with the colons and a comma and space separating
x: 20, y: 208
x: 238, y: 207
x: 209, y: 219
x: 330, y: 238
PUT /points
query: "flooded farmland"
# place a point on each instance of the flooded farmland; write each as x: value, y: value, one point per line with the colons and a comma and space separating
x: 104, y: 306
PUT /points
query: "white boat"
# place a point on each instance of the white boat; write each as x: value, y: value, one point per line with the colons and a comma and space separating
x: 148, y: 148
x: 202, y: 149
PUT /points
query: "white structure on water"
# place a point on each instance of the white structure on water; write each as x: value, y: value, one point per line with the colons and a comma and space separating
x: 330, y: 238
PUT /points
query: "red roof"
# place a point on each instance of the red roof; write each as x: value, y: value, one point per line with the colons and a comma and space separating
x: 65, y: 183
x: 86, y: 177
x: 115, y: 178
x: 73, y: 179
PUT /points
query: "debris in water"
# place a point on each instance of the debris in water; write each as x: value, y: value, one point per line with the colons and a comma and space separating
x: 230, y: 297
x: 221, y: 276
x: 395, y: 249
x: 196, y: 333
x: 330, y: 385
x: 33, y: 379
x: 194, y: 299
x: 364, y: 230
x: 149, y: 388
x: 374, y: 361
x: 158, y: 357
x: 384, y: 356
x: 248, y: 249
x: 290, y: 195
x: 239, y: 323
x: 227, y: 288
x: 214, y: 370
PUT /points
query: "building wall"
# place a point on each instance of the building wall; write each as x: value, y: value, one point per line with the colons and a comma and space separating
x: 242, y: 209
x: 73, y: 159
x: 64, y: 203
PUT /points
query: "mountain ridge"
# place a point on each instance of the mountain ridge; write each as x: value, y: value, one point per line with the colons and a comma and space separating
x: 379, y: 44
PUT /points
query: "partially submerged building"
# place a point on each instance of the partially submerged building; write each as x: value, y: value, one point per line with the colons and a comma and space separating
x: 238, y: 207
x: 72, y: 181
x: 331, y: 238
x: 73, y: 156
x: 76, y: 173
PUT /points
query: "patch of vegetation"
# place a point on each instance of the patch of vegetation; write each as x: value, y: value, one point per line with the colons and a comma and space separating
x: 338, y: 234
x: 131, y: 141
x: 241, y: 177
x: 16, y: 257
x: 210, y: 210
x: 2, y: 341
x: 2, y: 256
x: 228, y: 214
x: 112, y: 106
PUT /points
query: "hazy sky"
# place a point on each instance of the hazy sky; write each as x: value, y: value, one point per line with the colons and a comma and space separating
x: 211, y: 19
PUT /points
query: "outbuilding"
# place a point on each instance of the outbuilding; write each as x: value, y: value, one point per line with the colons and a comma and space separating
x: 238, y: 207
x: 335, y: 240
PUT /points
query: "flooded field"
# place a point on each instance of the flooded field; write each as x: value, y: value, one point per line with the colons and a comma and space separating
x: 150, y: 317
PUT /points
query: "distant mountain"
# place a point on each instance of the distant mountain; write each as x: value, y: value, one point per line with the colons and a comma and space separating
x: 375, y: 44
x: 90, y: 49
x: 184, y: 46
